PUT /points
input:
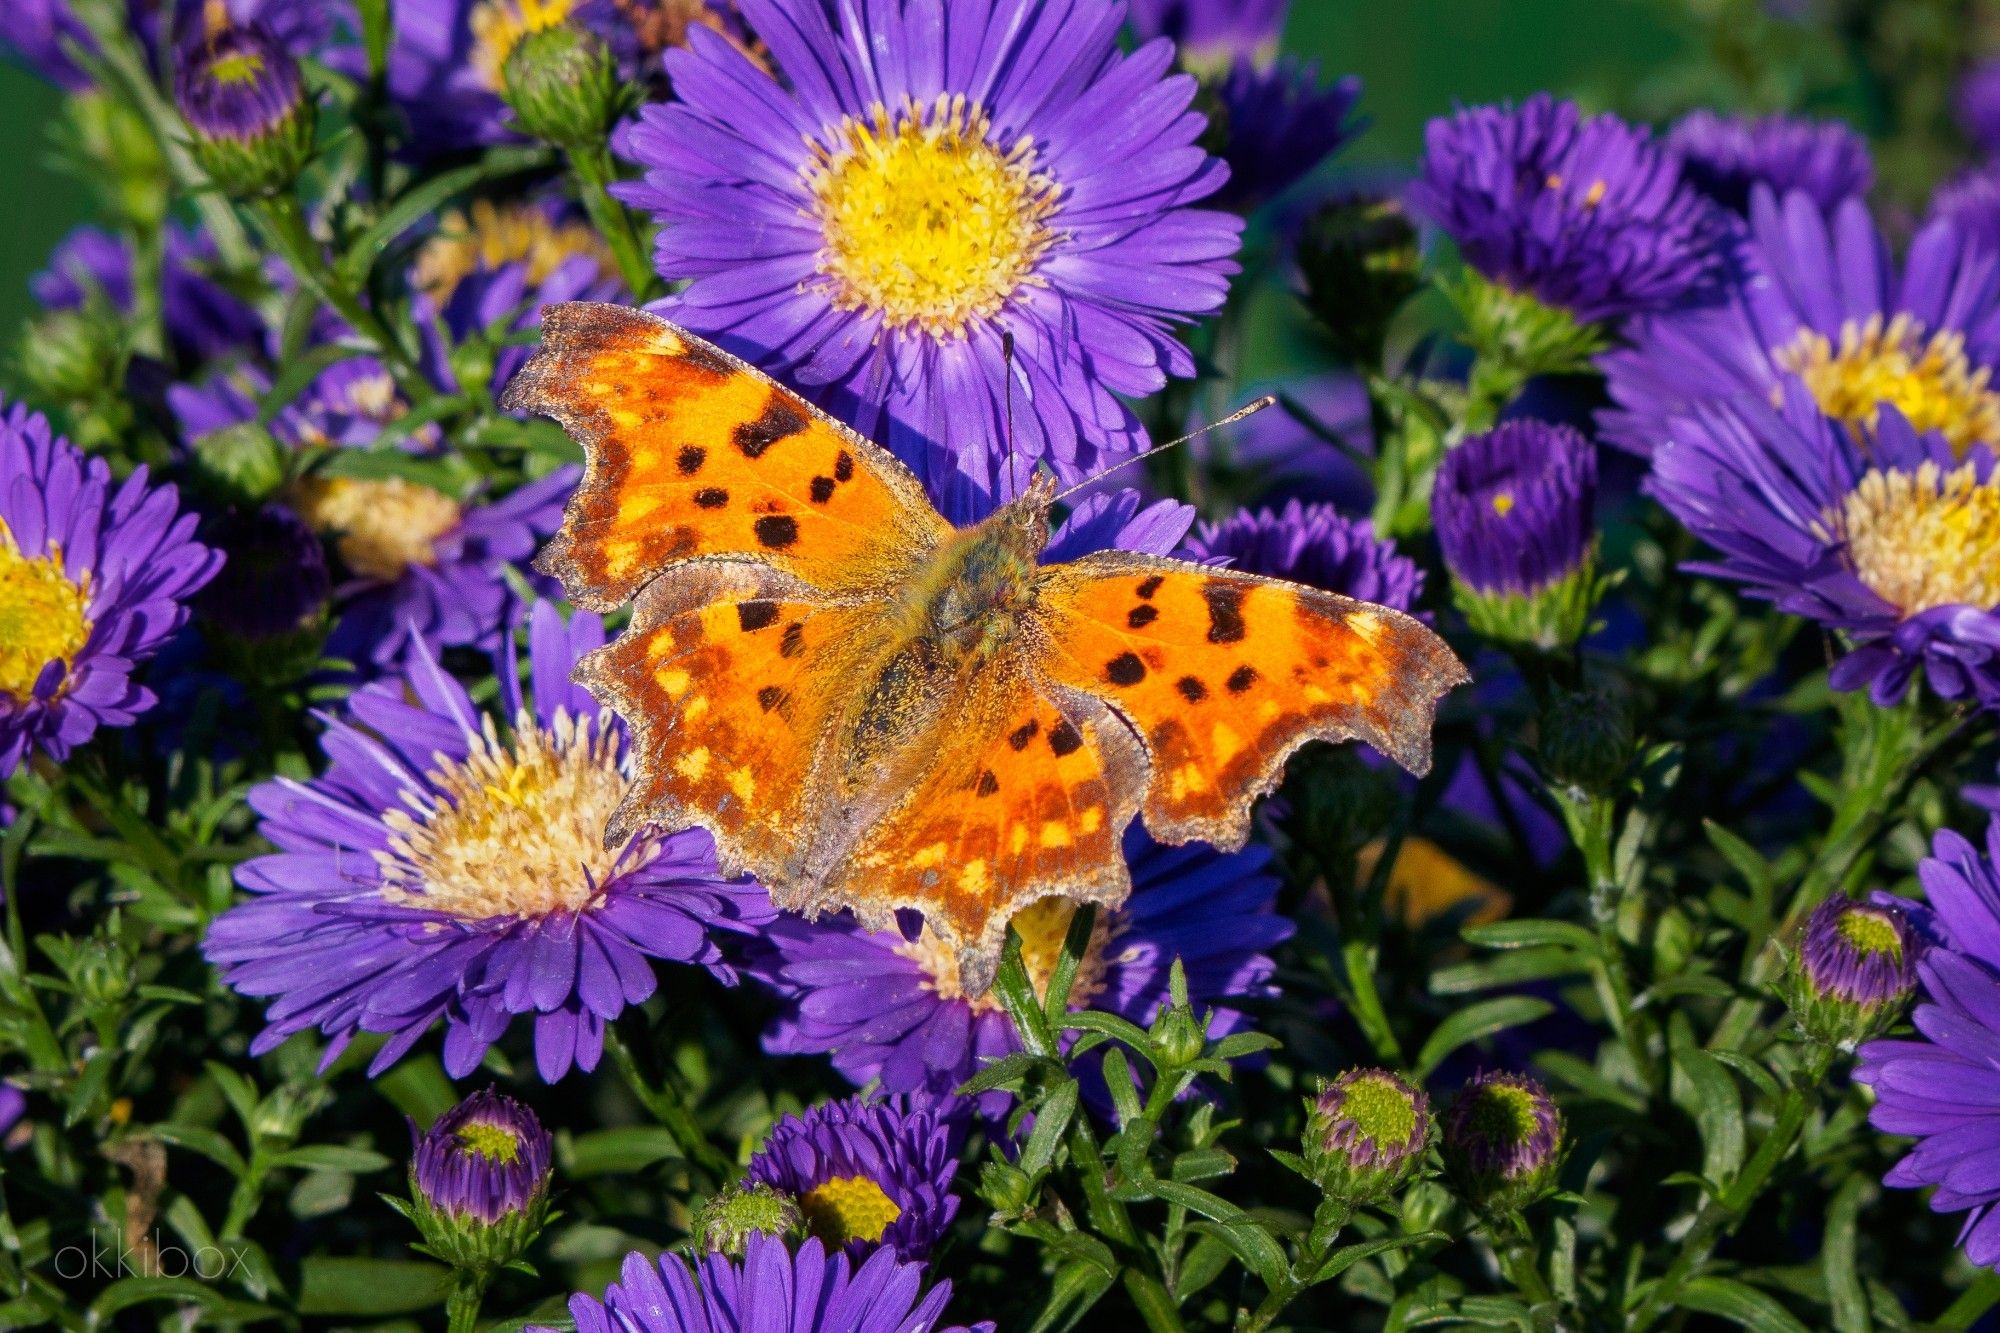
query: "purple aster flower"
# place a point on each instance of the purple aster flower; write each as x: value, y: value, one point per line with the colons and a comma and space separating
x: 887, y: 1005
x: 485, y: 1158
x: 442, y: 868
x: 1970, y: 202
x: 1317, y: 545
x: 94, y: 579
x: 36, y: 32
x: 1938, y: 1086
x: 1822, y: 300
x: 1859, y: 953
x: 1501, y: 1139
x: 1894, y: 541
x: 1043, y: 198
x: 244, y: 99
x: 1978, y: 106
x: 1513, y: 508
x: 770, y: 1288
x: 1726, y: 156
x: 1589, y: 216
x: 203, y: 318
x: 868, y: 1173
x: 1214, y: 34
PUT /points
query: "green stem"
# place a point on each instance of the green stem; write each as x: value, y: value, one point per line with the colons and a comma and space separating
x: 461, y: 1308
x: 1156, y: 1307
x: 1719, y: 1213
x: 1521, y: 1261
x: 667, y: 1106
x: 284, y: 225
x: 595, y: 172
x: 1590, y: 820
x: 1331, y: 1219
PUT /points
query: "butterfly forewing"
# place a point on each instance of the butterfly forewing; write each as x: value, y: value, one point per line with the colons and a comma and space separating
x: 1224, y: 674
x: 691, y: 453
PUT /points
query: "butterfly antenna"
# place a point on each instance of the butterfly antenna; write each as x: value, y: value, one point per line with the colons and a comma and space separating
x: 1007, y: 362
x: 1249, y: 411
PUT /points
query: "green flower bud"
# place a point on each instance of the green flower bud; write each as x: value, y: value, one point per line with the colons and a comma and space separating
x: 245, y: 101
x: 123, y: 157
x: 1365, y: 1135
x: 1360, y: 263
x: 1179, y: 1036
x: 728, y: 1220
x: 562, y: 86
x: 241, y: 464
x: 70, y: 356
x: 1502, y: 1142
x: 1586, y: 741
x: 479, y: 1183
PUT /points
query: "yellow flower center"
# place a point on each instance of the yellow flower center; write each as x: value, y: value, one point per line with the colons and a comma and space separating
x: 1042, y: 926
x: 1926, y: 377
x: 1381, y: 1109
x: 510, y: 830
x: 488, y: 236
x: 848, y: 1208
x: 243, y: 67
x: 1871, y: 932
x: 1925, y: 539
x: 926, y: 221
x: 498, y: 27
x: 493, y: 1142
x: 380, y: 525
x: 44, y: 617
x: 1503, y: 504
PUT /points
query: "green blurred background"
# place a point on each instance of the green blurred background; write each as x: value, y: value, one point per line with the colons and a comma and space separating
x: 1414, y: 57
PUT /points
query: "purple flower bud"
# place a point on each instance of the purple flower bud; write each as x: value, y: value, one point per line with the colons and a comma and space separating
x: 1855, y: 969
x: 1316, y: 545
x: 486, y: 1158
x: 243, y: 96
x: 1726, y: 157
x: 1502, y: 1141
x: 1366, y: 1133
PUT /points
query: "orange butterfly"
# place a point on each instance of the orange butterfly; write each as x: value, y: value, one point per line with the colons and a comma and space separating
x: 870, y: 708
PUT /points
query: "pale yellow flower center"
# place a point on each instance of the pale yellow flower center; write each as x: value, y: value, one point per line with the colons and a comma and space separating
x: 382, y: 526
x: 487, y: 237
x: 1924, y: 376
x: 848, y: 1208
x: 495, y: 1143
x: 1871, y: 932
x: 1925, y: 539
x: 498, y: 27
x: 1042, y: 927
x: 44, y: 617
x: 513, y: 829
x: 926, y: 222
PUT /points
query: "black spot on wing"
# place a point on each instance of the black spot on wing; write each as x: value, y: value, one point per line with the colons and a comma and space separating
x: 779, y: 420
x: 822, y: 490
x: 1191, y: 689
x: 777, y: 531
x: 1142, y: 615
x: 1064, y: 739
x: 753, y: 616
x: 1149, y: 587
x: 1125, y: 669
x: 1241, y: 679
x: 843, y: 467
x: 770, y: 697
x: 1021, y: 735
x: 988, y: 784
x: 794, y: 641
x: 1225, y: 611
x: 703, y: 357
x: 690, y: 459
x: 711, y: 497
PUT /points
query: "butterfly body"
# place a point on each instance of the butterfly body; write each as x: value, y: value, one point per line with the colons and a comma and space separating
x: 872, y: 709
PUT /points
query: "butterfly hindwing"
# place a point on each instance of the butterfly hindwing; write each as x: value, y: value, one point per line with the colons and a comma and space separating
x: 731, y: 678
x: 1223, y: 674
x: 692, y: 453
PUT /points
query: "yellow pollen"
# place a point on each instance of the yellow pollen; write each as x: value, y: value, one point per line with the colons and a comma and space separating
x: 926, y: 221
x: 381, y: 526
x: 1503, y: 504
x: 1872, y: 932
x: 44, y: 617
x: 1042, y: 926
x: 496, y: 1143
x: 487, y: 236
x: 1925, y: 539
x: 1594, y: 195
x: 498, y: 27
x: 848, y: 1208
x: 515, y: 829
x: 1926, y: 377
x: 244, y: 67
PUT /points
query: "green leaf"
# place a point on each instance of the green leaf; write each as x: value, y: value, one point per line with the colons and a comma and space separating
x: 1751, y: 1072
x: 333, y: 1157
x: 1837, y: 1259
x: 1739, y: 1304
x: 1475, y: 1021
x: 1077, y: 1287
x: 238, y: 1091
x: 1347, y: 1256
x: 1711, y: 1098
x: 610, y: 1152
x: 1507, y: 969
x: 1052, y: 1120
x: 1239, y: 1044
x: 1007, y: 1069
x: 1232, y: 1226
x: 1112, y: 1026
x: 1531, y: 934
x: 1587, y: 1079
x: 127, y: 1292
x: 1118, y: 1079
x: 334, y: 1286
x: 1202, y: 1164
x: 207, y: 1142
x: 419, y: 1089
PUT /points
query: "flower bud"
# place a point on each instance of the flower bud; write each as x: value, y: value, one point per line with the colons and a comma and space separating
x: 1853, y: 972
x: 562, y: 85
x: 1586, y: 741
x: 240, y: 464
x: 1502, y: 1142
x: 479, y: 1182
x: 1365, y: 1135
x: 242, y: 95
x: 1359, y: 260
x: 1179, y: 1036
x: 69, y: 356
x: 1513, y: 515
x: 725, y: 1224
